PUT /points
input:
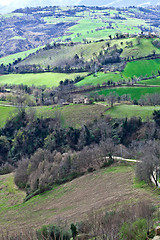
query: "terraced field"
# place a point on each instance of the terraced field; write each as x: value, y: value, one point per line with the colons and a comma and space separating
x: 89, y: 22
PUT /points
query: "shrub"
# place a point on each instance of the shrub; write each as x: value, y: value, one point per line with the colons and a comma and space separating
x: 135, y: 231
x: 53, y: 232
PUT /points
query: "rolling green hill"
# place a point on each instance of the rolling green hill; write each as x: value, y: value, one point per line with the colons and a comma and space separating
x: 59, y: 57
x: 63, y: 55
x: 11, y: 58
x: 100, y: 78
x: 141, y: 48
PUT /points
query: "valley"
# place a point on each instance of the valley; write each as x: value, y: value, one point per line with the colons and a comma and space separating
x: 79, y: 93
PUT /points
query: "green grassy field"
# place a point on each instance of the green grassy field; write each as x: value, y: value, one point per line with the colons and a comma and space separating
x: 100, y: 78
x: 135, y: 68
x: 5, y: 113
x: 129, y: 111
x: 73, y: 115
x: 143, y: 49
x: 153, y: 81
x: 142, y: 68
x: 68, y: 201
x: 135, y: 92
x: 38, y: 79
x: 11, y: 58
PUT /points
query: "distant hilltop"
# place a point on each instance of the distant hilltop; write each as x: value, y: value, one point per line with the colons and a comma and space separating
x: 115, y: 3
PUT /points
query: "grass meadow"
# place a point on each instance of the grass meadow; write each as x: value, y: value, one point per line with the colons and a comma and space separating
x: 121, y: 111
x: 5, y: 113
x: 142, y: 68
x: 135, y: 92
x: 142, y: 49
x: 11, y: 58
x: 153, y: 81
x: 100, y: 78
x: 38, y: 79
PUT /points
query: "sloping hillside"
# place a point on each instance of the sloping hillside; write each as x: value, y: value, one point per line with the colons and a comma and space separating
x: 64, y: 55
x: 110, y: 188
x: 29, y: 28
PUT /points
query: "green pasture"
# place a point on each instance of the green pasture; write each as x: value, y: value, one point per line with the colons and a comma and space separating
x: 142, y: 68
x: 11, y: 58
x: 123, y: 111
x: 5, y: 113
x: 38, y: 79
x: 100, y: 78
x: 143, y: 49
x: 153, y: 81
x: 135, y: 92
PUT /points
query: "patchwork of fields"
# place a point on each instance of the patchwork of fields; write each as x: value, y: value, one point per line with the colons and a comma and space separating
x: 142, y: 68
x: 103, y: 46
x: 78, y: 115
